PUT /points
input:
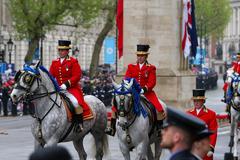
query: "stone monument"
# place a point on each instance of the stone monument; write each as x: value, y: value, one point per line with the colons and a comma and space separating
x: 157, y: 22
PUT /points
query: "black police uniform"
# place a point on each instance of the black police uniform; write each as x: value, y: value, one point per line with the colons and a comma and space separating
x: 187, y: 122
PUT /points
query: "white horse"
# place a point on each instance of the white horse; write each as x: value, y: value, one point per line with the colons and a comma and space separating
x: 51, y: 124
x: 234, y: 93
x: 135, y: 124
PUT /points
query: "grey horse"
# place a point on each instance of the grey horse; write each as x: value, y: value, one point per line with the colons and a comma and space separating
x: 134, y: 130
x: 233, y: 79
x: 51, y: 125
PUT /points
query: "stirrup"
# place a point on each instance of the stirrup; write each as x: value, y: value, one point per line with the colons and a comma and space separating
x: 110, y: 131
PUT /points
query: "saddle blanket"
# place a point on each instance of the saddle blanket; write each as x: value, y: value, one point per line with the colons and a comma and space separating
x: 87, y: 112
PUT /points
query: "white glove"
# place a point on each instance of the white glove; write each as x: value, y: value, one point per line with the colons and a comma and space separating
x: 210, y: 153
x: 142, y: 91
x: 63, y: 87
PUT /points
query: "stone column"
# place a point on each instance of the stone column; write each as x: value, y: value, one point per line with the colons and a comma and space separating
x: 157, y: 22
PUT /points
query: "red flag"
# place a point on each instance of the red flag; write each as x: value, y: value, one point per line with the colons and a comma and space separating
x: 119, y: 22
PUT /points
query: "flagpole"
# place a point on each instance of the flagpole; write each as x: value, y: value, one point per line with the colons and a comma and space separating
x: 180, y: 35
x: 116, y: 60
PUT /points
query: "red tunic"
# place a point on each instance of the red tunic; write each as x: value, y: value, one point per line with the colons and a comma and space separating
x: 209, y: 117
x: 146, y: 77
x: 69, y: 71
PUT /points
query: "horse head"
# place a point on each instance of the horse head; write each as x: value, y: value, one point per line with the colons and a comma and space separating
x: 235, y: 86
x: 33, y: 82
x: 122, y: 97
x: 127, y: 97
x: 26, y: 82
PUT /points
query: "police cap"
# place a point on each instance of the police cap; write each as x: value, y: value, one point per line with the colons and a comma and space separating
x: 183, y: 120
x: 203, y: 134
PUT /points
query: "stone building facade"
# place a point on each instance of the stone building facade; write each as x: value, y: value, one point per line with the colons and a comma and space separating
x: 231, y: 40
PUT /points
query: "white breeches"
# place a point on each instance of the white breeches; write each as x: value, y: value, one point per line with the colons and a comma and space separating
x: 73, y: 99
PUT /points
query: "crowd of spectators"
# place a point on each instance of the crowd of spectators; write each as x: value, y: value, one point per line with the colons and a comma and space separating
x: 100, y: 86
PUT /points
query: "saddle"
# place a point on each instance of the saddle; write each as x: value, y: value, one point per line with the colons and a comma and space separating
x: 152, y: 114
x: 68, y: 106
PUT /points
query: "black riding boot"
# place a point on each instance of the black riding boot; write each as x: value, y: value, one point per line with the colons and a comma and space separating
x: 111, y: 130
x: 79, y: 122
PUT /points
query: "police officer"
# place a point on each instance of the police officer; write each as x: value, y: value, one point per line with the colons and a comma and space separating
x: 179, y: 132
x: 5, y: 99
x: 201, y: 145
x: 67, y: 72
x: 145, y: 74
x: 207, y: 115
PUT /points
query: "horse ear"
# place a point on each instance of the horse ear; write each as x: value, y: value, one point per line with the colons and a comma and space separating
x: 129, y: 84
x: 115, y: 85
x: 38, y: 64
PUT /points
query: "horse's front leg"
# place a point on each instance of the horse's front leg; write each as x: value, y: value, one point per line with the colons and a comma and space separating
x: 150, y: 153
x: 235, y: 155
x: 158, y: 150
x: 52, y: 141
x: 37, y: 145
x: 142, y: 150
x: 125, y: 151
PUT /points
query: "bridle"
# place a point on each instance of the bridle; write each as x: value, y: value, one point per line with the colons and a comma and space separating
x: 123, y: 92
x: 29, y: 76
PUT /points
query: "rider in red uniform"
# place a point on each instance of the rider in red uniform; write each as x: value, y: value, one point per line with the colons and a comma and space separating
x: 208, y: 116
x: 67, y: 72
x: 226, y: 87
x: 145, y: 74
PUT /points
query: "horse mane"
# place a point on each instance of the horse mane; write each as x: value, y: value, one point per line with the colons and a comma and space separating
x: 56, y: 86
x: 135, y: 91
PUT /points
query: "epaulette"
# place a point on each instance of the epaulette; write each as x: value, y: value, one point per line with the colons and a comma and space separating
x: 205, y: 109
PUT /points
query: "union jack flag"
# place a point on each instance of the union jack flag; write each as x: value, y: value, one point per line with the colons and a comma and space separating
x: 189, y: 32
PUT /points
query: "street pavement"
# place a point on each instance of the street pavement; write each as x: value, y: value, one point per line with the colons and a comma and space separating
x: 16, y: 140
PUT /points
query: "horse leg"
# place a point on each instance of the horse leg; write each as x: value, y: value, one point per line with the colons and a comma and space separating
x: 78, y: 145
x: 150, y: 153
x: 142, y: 150
x: 52, y: 141
x: 125, y: 151
x: 235, y: 138
x: 37, y: 145
x: 101, y: 143
x: 158, y: 150
x: 231, y: 143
